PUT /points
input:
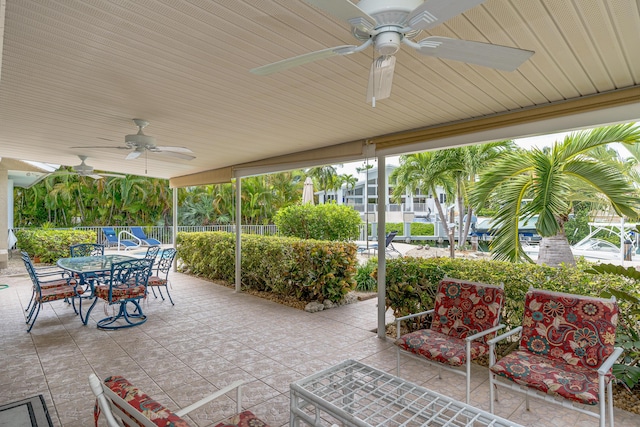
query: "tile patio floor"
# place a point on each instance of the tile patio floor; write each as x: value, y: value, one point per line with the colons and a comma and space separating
x: 211, y: 337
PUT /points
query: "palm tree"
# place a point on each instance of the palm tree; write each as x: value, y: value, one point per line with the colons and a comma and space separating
x: 553, y: 178
x: 324, y: 177
x: 425, y: 171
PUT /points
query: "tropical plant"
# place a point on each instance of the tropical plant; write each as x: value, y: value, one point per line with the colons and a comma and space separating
x: 553, y: 179
x: 328, y: 221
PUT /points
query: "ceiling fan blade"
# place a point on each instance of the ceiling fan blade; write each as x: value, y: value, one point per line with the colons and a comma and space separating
x: 434, y: 12
x: 284, y: 64
x: 176, y: 154
x: 106, y: 146
x: 133, y: 155
x: 114, y: 175
x: 347, y: 11
x: 381, y: 78
x: 94, y: 176
x: 489, y: 55
x: 168, y: 148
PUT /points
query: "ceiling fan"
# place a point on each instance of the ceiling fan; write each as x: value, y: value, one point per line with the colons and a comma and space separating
x: 84, y: 169
x: 385, y: 24
x: 140, y: 143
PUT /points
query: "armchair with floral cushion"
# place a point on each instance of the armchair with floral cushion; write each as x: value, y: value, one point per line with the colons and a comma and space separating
x: 122, y: 403
x: 465, y: 316
x: 565, y: 352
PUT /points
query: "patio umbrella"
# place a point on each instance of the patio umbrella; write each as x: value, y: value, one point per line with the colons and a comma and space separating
x: 307, y: 191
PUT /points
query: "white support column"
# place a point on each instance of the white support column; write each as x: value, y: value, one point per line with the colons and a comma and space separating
x: 238, y: 234
x: 174, y: 225
x: 382, y: 269
x: 4, y: 216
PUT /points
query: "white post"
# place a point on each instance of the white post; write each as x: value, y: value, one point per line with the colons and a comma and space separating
x: 382, y: 269
x: 174, y: 232
x: 238, y: 234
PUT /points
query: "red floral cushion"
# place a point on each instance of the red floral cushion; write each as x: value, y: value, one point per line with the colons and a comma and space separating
x: 465, y: 308
x: 156, y: 281
x: 58, y: 293
x: 120, y: 292
x: 568, y: 328
x: 243, y: 419
x: 156, y: 412
x: 550, y: 376
x: 441, y: 348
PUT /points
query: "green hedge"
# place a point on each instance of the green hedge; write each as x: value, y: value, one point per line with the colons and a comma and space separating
x: 321, y: 222
x: 51, y: 245
x: 417, y: 228
x: 307, y: 269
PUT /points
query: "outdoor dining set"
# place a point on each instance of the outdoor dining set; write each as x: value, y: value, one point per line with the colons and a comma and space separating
x: 89, y: 275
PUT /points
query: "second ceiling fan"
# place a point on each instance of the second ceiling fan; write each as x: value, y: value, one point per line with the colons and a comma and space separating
x: 140, y: 143
x: 386, y: 24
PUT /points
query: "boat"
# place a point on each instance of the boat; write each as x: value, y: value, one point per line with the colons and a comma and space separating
x: 597, y: 245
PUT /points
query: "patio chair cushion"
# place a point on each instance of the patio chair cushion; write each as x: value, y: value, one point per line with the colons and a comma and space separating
x: 551, y: 376
x: 58, y: 293
x: 440, y: 347
x: 156, y: 281
x: 464, y: 308
x: 243, y: 419
x: 120, y: 292
x: 151, y: 409
x: 568, y: 328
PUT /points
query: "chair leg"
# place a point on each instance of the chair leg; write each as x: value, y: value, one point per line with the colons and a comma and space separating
x: 610, y: 402
x: 130, y: 319
x: 35, y: 316
x: 492, y: 392
x: 166, y: 288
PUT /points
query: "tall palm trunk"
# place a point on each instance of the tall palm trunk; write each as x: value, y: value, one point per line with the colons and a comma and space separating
x: 443, y: 220
x: 555, y: 250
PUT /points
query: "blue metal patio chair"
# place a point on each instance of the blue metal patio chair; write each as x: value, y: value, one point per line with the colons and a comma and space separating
x: 60, y: 288
x: 86, y: 249
x: 147, y: 241
x: 113, y: 240
x: 161, y: 278
x: 124, y: 287
x: 152, y: 253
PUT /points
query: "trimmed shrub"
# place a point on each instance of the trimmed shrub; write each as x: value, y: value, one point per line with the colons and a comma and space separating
x: 307, y: 269
x: 322, y: 222
x: 51, y: 245
x: 417, y: 228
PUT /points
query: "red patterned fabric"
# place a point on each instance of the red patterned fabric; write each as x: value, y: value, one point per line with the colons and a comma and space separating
x: 243, y: 419
x: 441, y: 348
x: 461, y: 309
x: 156, y: 281
x: 120, y: 292
x: 57, y: 293
x: 466, y: 308
x: 156, y: 412
x: 565, y: 339
x: 56, y: 284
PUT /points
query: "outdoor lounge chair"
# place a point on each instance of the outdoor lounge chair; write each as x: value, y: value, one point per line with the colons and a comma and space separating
x: 122, y: 403
x: 565, y: 353
x: 465, y: 316
x: 115, y: 240
x: 147, y: 241
x: 389, y: 249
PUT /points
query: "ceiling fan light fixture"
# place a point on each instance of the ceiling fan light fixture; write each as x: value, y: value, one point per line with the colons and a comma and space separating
x: 381, y: 78
x: 388, y: 42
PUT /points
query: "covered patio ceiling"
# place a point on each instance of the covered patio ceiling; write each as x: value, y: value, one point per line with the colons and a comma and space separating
x: 74, y: 74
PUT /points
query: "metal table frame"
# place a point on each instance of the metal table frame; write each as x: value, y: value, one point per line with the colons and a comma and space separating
x: 354, y: 394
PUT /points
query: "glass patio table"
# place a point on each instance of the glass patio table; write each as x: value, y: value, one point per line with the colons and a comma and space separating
x: 88, y: 268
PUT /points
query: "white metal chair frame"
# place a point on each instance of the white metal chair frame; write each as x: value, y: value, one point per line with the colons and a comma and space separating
x: 109, y: 401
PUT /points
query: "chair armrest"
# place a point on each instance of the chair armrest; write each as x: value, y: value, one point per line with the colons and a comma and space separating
x: 604, y: 368
x: 485, y: 332
x: 410, y: 316
x: 492, y: 341
x: 221, y: 392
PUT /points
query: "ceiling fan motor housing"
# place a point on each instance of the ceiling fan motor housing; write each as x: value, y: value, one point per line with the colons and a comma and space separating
x: 387, y: 42
x: 139, y: 140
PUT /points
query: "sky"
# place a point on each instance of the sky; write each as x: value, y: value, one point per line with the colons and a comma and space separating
x: 534, y: 141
